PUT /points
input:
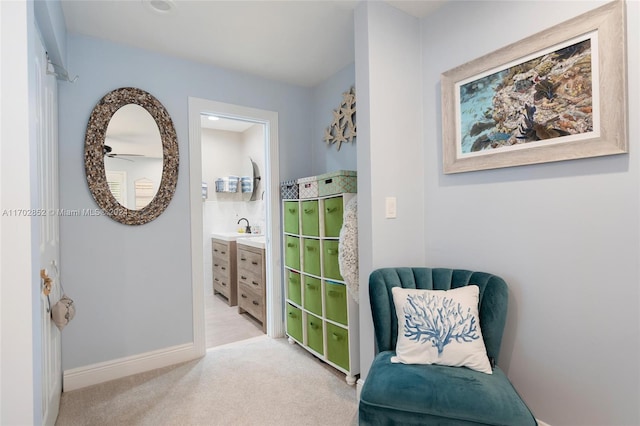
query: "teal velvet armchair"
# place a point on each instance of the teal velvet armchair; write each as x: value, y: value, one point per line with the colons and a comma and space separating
x: 411, y: 394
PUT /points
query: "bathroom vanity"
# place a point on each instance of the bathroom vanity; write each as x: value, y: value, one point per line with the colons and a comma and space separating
x: 224, y: 268
x: 251, y: 273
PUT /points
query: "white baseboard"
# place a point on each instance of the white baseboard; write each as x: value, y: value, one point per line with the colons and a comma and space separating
x: 541, y: 423
x: 81, y: 377
x: 359, y: 385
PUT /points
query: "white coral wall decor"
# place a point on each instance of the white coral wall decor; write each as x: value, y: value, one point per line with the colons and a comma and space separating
x: 343, y: 126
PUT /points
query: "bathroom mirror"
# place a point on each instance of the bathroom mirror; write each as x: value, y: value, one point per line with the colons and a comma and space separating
x: 116, y: 133
x: 255, y: 173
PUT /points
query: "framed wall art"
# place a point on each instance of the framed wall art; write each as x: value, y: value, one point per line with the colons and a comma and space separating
x: 557, y: 95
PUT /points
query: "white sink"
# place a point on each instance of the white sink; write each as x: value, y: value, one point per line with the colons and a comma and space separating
x: 232, y: 236
x: 256, y: 241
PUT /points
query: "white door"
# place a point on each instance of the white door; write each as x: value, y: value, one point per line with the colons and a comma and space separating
x: 47, y: 141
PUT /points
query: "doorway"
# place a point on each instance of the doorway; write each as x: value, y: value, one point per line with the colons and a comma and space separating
x: 233, y: 161
x: 272, y: 227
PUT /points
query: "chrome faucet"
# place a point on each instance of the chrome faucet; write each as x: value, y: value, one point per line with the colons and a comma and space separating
x: 248, y: 228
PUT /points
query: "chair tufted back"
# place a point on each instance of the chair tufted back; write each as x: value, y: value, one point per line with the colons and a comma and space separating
x: 492, y: 309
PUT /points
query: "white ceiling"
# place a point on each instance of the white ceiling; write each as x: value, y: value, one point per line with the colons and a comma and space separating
x: 230, y: 125
x: 301, y: 42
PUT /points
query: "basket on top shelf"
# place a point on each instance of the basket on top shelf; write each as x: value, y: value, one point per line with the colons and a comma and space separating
x: 289, y: 189
x: 339, y: 182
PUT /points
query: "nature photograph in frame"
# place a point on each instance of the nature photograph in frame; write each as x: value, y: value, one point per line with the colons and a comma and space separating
x: 557, y: 95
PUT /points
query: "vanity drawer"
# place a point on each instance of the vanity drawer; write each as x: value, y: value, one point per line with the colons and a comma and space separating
x: 251, y: 280
x: 221, y: 250
x: 220, y: 267
x: 223, y: 265
x: 222, y: 285
x: 251, y: 286
x: 251, y: 302
x: 249, y: 261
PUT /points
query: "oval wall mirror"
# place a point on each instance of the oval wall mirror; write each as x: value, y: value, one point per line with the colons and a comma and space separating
x: 131, y: 156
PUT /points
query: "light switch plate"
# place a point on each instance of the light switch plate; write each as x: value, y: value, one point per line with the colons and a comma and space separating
x: 390, y: 208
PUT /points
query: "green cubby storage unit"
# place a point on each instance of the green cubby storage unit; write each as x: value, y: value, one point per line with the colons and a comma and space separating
x: 293, y: 286
x: 292, y: 252
x: 310, y: 218
x: 315, y: 338
x: 311, y: 256
x: 313, y: 295
x: 333, y: 214
x: 338, y: 345
x: 330, y: 260
x: 294, y: 322
x: 321, y: 315
x: 335, y: 296
x: 290, y: 214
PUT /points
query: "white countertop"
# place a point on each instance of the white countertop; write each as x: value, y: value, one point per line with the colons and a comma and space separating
x: 233, y: 236
x: 258, y: 241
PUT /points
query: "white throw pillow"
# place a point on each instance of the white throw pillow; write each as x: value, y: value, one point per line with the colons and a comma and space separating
x: 440, y: 327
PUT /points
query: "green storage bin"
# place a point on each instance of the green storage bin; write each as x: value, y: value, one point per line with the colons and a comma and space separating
x: 338, y: 345
x: 313, y: 295
x: 310, y: 218
x: 314, y: 334
x: 311, y: 256
x: 330, y: 260
x: 333, y: 216
x: 291, y: 217
x: 335, y: 300
x: 293, y: 287
x: 292, y: 252
x: 294, y: 322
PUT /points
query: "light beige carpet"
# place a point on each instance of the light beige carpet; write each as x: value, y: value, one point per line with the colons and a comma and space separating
x: 260, y: 381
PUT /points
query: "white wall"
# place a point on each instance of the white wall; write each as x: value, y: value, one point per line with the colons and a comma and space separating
x: 227, y: 153
x: 565, y: 236
x: 20, y: 332
x: 390, y: 149
x: 132, y: 284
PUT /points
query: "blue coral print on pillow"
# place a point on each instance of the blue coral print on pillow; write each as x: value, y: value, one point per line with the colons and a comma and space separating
x: 440, y: 327
x: 439, y: 320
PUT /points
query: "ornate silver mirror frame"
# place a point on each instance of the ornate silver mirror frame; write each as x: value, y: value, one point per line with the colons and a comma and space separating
x: 94, y: 155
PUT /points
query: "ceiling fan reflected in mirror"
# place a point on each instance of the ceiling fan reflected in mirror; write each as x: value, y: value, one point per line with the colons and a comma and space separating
x: 108, y: 152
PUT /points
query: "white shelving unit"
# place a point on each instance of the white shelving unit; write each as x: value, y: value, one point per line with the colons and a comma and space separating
x: 320, y: 314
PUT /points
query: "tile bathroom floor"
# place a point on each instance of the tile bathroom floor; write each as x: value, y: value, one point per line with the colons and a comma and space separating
x: 223, y: 324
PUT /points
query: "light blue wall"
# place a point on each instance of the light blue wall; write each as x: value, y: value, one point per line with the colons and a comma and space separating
x: 565, y: 235
x: 50, y: 20
x: 390, y: 149
x: 327, y: 97
x: 132, y: 284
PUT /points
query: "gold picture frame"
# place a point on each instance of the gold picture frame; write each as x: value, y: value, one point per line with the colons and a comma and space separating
x: 557, y: 95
